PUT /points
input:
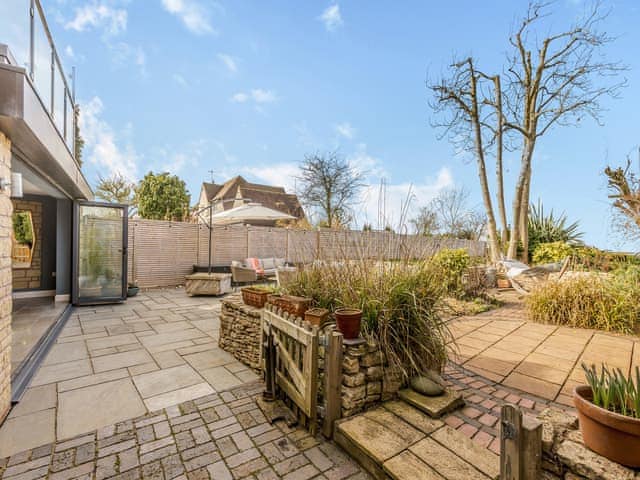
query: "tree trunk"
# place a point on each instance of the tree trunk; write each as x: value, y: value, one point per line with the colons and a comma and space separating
x: 524, y: 216
x: 494, y: 248
x: 519, y: 197
x: 502, y: 211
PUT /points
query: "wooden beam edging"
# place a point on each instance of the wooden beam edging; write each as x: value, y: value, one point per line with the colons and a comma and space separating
x: 332, y: 382
x: 520, y: 445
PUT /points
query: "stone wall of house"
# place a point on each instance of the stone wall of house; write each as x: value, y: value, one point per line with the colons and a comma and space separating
x: 565, y: 457
x: 6, y: 226
x: 30, y: 277
x: 240, y: 330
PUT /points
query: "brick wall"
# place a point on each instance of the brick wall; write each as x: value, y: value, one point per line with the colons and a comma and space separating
x: 30, y: 277
x: 5, y: 280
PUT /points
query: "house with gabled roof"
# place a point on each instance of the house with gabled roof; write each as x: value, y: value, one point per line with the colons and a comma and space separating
x: 238, y: 191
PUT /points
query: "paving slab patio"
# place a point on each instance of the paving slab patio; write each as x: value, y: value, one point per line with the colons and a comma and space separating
x: 114, y: 362
x: 543, y: 360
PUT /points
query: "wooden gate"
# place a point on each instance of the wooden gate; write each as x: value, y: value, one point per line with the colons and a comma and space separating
x: 295, y: 364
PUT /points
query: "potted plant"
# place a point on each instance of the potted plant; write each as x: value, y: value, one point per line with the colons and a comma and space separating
x: 609, y: 414
x: 348, y: 322
x: 132, y: 289
x: 256, y: 296
x: 316, y: 316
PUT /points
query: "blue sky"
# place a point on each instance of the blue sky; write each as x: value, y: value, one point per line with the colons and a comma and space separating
x: 250, y: 87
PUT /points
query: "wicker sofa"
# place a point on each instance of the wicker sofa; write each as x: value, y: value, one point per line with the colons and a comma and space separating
x: 253, y: 269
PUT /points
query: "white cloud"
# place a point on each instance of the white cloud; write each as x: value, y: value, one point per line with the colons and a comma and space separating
x: 257, y: 95
x: 194, y: 16
x: 124, y: 54
x: 419, y: 193
x: 180, y: 80
x: 240, y: 97
x: 102, y: 147
x: 385, y: 204
x: 68, y: 50
x: 229, y: 62
x: 98, y: 15
x: 331, y: 17
x: 279, y: 174
x: 345, y: 129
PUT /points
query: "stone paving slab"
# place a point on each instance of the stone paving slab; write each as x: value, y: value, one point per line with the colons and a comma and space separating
x: 222, y: 436
x: 385, y: 441
x: 113, y: 362
x: 543, y: 360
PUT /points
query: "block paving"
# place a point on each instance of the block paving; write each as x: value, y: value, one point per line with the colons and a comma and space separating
x: 221, y: 436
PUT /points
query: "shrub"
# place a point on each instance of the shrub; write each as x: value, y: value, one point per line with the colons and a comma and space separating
x: 552, y: 252
x: 609, y: 303
x: 398, y: 300
x: 450, y: 265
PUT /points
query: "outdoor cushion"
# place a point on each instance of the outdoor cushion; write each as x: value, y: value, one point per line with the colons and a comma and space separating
x: 255, y: 264
x: 236, y: 263
x: 268, y: 263
x: 279, y: 262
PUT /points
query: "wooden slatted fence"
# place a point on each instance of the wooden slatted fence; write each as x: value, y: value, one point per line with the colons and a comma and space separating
x: 162, y: 253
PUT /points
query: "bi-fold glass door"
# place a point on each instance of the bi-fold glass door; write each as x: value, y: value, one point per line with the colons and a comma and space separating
x: 100, y: 253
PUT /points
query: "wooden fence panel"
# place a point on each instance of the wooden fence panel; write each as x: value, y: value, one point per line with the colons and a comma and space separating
x: 267, y: 242
x: 162, y: 253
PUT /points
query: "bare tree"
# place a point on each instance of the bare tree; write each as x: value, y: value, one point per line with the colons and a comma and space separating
x: 558, y: 80
x: 624, y: 190
x: 458, y: 98
x: 449, y: 215
x: 115, y: 189
x: 328, y: 184
x: 426, y: 221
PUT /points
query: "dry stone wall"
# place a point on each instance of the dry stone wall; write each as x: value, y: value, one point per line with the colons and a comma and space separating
x: 565, y: 457
x: 366, y: 378
x: 240, y: 330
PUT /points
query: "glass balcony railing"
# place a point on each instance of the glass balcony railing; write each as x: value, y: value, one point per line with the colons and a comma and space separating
x: 24, y: 29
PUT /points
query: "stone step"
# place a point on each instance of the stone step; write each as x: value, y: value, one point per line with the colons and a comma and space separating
x: 435, y: 407
x: 400, y: 442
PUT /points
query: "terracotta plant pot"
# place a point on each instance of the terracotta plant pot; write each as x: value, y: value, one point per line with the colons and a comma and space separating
x: 254, y: 297
x: 610, y: 434
x: 316, y: 316
x: 348, y: 321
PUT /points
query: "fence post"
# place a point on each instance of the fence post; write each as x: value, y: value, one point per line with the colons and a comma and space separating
x: 332, y: 381
x: 520, y: 445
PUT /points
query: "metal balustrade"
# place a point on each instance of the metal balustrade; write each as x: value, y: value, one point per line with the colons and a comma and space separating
x: 24, y: 29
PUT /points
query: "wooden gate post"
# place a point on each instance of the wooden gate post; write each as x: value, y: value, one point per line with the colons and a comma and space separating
x: 520, y: 445
x: 332, y: 381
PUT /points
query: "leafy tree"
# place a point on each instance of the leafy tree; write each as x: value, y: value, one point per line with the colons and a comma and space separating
x: 162, y: 196
x: 624, y: 189
x: 328, y: 184
x: 549, y: 79
x: 115, y: 189
x: 547, y: 228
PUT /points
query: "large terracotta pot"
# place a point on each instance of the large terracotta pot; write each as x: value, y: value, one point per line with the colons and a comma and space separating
x: 610, y: 434
x: 348, y: 321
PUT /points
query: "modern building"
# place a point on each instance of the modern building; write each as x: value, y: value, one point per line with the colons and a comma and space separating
x: 44, y: 208
x: 238, y: 191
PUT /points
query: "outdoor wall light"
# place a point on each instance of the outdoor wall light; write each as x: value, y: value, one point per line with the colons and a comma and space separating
x: 15, y: 184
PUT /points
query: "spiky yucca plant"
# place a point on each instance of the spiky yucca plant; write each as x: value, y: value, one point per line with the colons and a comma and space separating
x: 547, y: 228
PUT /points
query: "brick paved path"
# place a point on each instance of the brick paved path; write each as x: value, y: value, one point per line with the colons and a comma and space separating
x: 220, y: 436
